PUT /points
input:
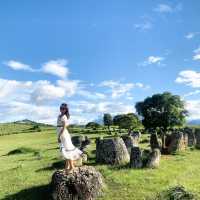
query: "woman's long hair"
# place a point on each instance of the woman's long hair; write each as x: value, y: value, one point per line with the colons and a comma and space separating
x: 67, y: 110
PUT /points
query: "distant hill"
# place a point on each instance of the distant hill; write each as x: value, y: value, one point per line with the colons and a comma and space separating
x: 23, y: 126
x: 25, y: 121
x: 30, y: 122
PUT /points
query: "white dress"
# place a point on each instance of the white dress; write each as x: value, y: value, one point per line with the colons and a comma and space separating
x: 67, y: 149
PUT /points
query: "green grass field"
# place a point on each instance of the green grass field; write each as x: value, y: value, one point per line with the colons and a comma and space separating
x: 28, y: 160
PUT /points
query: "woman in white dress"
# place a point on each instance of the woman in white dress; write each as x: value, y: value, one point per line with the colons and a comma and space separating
x: 69, y: 152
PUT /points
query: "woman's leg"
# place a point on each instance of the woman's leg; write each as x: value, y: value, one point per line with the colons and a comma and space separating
x: 66, y: 165
x: 71, y: 164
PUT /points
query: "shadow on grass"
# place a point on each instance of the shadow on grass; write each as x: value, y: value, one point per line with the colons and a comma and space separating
x: 56, y: 165
x: 119, y: 167
x: 22, y: 150
x: 41, y: 192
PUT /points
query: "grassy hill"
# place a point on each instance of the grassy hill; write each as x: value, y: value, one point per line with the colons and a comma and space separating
x: 22, y: 126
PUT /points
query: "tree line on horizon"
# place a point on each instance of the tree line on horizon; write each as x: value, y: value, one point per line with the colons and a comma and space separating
x: 161, y: 111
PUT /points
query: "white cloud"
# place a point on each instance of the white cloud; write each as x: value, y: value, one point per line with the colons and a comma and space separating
x: 45, y: 91
x: 56, y: 67
x: 18, y: 110
x: 165, y: 8
x: 32, y: 100
x: 118, y: 89
x: 39, y: 100
x: 197, y: 51
x: 146, y: 25
x: 196, y: 57
x: 193, y: 107
x: 91, y: 95
x: 91, y: 109
x: 70, y: 86
x: 152, y: 60
x: 191, y: 35
x: 16, y: 65
x: 37, y: 92
x: 197, y: 54
x: 12, y: 89
x: 189, y: 77
x: 192, y: 93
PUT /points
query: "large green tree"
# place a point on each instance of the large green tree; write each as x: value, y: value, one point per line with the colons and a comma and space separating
x: 162, y: 111
x: 127, y: 121
x: 92, y: 125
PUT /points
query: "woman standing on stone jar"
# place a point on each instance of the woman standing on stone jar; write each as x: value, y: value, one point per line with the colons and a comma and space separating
x: 68, y: 151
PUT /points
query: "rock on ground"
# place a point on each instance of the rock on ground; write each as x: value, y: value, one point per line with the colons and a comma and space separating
x: 178, y: 142
x: 111, y: 151
x: 83, y: 183
x: 154, y: 141
x: 130, y: 142
x: 191, y: 136
x: 197, y: 136
x: 154, y: 159
x: 136, y: 158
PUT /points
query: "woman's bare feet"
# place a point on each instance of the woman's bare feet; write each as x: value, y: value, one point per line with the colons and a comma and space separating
x: 70, y: 165
x: 68, y: 171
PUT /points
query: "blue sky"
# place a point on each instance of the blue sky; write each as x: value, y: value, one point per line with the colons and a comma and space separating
x: 98, y: 56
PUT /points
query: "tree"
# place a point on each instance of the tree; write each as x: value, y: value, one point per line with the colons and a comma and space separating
x: 107, y: 119
x: 92, y: 125
x: 127, y: 121
x: 162, y: 111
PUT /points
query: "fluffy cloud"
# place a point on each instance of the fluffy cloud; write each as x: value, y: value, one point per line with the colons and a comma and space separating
x: 189, y: 77
x: 146, y: 25
x: 157, y: 60
x: 197, y: 54
x: 165, y: 8
x: 98, y: 108
x: 196, y: 57
x: 91, y: 95
x: 154, y: 59
x: 70, y: 86
x: 39, y: 100
x: 18, y: 110
x: 33, y: 100
x: 192, y: 93
x: 12, y: 89
x: 56, y: 67
x: 45, y: 91
x: 37, y: 92
x: 197, y: 50
x: 16, y: 65
x: 118, y: 89
x: 193, y: 107
x: 191, y: 35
